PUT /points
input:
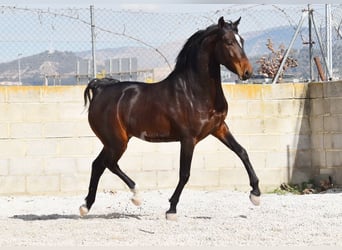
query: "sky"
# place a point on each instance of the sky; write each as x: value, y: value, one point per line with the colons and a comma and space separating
x: 152, y: 5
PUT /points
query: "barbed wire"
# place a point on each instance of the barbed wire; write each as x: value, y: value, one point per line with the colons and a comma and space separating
x: 153, y: 38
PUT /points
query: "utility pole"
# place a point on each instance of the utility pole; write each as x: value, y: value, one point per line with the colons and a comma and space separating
x: 92, y: 22
x: 328, y: 40
x: 310, y: 43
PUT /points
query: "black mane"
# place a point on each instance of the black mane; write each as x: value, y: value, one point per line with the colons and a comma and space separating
x: 187, y: 56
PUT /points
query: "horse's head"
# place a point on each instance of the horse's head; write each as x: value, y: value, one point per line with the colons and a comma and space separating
x: 229, y: 49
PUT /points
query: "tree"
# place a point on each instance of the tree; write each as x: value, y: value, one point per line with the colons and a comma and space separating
x: 270, y: 64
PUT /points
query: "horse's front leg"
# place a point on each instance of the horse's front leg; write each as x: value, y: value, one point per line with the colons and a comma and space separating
x: 225, y: 136
x: 187, y: 149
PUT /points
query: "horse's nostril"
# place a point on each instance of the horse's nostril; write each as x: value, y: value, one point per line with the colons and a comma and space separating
x: 247, y: 74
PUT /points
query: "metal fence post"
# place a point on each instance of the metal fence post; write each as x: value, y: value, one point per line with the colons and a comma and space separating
x: 93, y: 39
x: 328, y: 40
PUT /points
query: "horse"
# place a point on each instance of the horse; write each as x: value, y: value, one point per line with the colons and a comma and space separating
x: 187, y: 106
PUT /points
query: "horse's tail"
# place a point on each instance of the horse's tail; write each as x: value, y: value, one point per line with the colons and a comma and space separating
x: 93, y: 88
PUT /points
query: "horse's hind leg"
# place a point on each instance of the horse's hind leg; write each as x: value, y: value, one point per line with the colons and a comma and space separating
x: 118, y: 147
x: 97, y: 170
x: 224, y: 135
x: 114, y: 168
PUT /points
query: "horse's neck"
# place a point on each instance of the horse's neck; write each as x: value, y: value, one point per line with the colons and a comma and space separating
x: 204, y: 87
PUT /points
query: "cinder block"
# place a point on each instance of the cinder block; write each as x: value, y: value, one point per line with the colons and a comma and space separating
x: 144, y: 179
x: 132, y: 161
x: 277, y: 92
x: 25, y: 130
x: 71, y: 111
x: 3, y: 94
x: 109, y: 181
x: 274, y: 177
x: 217, y: 160
x: 58, y: 129
x: 335, y: 105
x: 231, y: 177
x: 301, y: 90
x: 317, y: 142
x: 333, y: 141
x: 332, y: 89
x: 12, y: 148
x: 332, y: 123
x: 316, y: 124
x: 4, y: 166
x: 207, y: 145
x: 12, y: 185
x: 318, y: 107
x: 55, y: 166
x: 42, y: 147
x: 137, y: 145
x: 26, y: 166
x: 264, y: 142
x: 12, y: 112
x: 254, y: 125
x: 258, y: 159
x: 40, y: 112
x: 333, y: 158
x: 167, y: 178
x: 237, y: 108
x: 75, y: 146
x: 200, y: 178
x: 4, y: 130
x: 43, y: 184
x: 280, y: 125
x: 245, y: 92
x: 198, y: 161
x: 74, y: 183
x: 303, y: 159
x: 82, y: 128
x: 83, y: 164
x: 316, y: 90
x: 277, y: 159
x: 23, y: 94
x: 318, y: 159
x: 62, y: 94
x: 158, y: 161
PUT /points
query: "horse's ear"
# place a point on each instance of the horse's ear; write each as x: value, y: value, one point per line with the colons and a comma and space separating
x: 221, y: 22
x: 236, y: 23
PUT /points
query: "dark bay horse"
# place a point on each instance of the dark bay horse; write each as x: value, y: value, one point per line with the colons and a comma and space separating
x: 187, y: 106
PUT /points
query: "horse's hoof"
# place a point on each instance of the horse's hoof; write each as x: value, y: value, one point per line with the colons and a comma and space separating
x: 171, y: 216
x: 254, y: 199
x: 83, y: 210
x: 136, y: 201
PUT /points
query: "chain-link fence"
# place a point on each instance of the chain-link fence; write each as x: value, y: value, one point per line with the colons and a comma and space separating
x: 54, y: 46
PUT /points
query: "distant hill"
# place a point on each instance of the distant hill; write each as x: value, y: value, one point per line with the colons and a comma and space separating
x: 63, y: 64
x: 255, y: 41
x: 35, y: 67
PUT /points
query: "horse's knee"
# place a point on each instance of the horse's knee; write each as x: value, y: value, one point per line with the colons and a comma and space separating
x: 184, y: 178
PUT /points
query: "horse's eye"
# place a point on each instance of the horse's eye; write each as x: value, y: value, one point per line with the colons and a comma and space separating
x: 229, y: 41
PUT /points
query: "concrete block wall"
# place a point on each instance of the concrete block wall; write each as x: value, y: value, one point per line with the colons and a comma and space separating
x: 326, y: 126
x: 46, y: 145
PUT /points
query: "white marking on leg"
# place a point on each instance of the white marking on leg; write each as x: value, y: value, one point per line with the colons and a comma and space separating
x: 84, y: 210
x: 171, y: 216
x: 254, y: 199
x: 136, y: 198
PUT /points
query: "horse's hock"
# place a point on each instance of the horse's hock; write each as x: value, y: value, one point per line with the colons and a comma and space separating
x: 292, y: 133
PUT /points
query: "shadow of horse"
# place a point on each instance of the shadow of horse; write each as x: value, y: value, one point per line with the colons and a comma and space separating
x: 34, y: 217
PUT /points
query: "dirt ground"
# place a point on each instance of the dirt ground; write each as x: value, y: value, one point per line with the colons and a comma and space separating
x: 205, y: 218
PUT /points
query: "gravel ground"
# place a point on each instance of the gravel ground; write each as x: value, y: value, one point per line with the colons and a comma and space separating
x: 205, y: 218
